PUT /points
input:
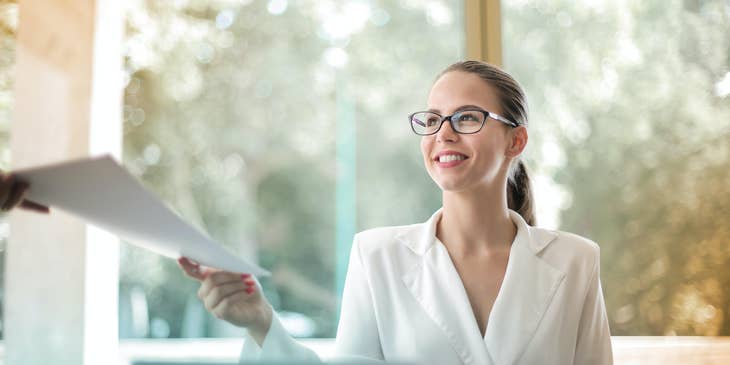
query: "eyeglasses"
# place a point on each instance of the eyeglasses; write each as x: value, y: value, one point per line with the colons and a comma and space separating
x: 464, y: 121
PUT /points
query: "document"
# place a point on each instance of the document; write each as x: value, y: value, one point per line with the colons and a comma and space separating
x: 101, y: 192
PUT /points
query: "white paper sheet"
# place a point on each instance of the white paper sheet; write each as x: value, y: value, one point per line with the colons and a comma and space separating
x: 104, y: 194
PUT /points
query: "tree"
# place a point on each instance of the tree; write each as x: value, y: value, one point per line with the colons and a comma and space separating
x: 629, y: 91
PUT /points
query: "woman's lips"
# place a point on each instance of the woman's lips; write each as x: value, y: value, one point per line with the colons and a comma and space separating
x: 449, y: 158
x: 449, y: 164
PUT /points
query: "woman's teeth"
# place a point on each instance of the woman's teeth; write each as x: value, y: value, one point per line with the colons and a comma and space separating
x: 449, y: 158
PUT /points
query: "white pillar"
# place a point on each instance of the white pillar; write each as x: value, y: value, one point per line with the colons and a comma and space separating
x: 61, y: 283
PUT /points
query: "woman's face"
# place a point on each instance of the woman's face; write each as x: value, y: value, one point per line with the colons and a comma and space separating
x: 483, y: 157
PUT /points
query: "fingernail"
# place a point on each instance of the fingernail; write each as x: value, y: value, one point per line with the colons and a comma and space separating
x: 244, y: 276
x: 249, y: 290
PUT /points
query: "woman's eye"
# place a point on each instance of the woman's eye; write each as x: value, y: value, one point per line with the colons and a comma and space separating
x: 432, y: 122
x: 468, y: 117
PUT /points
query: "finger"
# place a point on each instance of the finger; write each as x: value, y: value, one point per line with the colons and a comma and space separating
x: 6, y: 185
x: 220, y: 292
x: 17, y: 193
x: 31, y: 205
x: 219, y: 278
x: 190, y: 261
x: 224, y: 276
x: 196, y: 270
x: 191, y: 269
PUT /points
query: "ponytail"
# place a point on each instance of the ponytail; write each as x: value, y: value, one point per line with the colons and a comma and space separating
x: 519, y: 193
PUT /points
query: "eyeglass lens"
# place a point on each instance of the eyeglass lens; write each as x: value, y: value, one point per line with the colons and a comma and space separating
x: 467, y: 121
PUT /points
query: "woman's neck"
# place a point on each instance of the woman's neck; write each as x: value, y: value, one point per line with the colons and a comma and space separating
x: 476, y: 223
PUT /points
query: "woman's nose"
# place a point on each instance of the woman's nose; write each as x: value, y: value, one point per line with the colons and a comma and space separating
x: 446, y: 133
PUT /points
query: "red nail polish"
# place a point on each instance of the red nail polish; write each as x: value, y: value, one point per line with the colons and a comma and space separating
x: 243, y: 276
x: 249, y: 290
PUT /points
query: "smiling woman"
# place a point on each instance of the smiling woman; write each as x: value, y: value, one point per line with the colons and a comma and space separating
x: 277, y: 126
x: 480, y: 281
x: 470, y: 77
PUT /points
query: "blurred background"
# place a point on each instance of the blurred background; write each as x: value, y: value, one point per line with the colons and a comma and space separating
x: 279, y: 127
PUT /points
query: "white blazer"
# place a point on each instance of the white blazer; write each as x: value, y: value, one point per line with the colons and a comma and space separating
x: 404, y: 301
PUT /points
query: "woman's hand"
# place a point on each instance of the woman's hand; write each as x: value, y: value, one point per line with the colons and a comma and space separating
x: 12, y: 194
x: 235, y: 298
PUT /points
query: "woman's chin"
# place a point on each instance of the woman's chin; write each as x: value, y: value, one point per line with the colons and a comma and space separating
x: 451, y: 185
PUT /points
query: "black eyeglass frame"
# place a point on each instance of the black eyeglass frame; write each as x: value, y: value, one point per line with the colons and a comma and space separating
x: 485, y: 113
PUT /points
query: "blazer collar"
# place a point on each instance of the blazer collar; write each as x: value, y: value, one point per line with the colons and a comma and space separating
x: 527, y: 290
x: 422, y: 236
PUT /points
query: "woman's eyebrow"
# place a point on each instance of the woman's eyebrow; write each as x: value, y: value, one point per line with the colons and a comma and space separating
x: 468, y: 106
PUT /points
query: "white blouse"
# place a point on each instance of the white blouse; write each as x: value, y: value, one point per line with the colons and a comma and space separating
x: 404, y: 301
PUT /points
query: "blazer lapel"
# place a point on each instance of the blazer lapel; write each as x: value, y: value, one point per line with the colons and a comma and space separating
x: 437, y: 286
x: 527, y: 290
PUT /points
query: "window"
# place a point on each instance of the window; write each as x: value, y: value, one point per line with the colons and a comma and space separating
x: 280, y: 128
x: 630, y: 132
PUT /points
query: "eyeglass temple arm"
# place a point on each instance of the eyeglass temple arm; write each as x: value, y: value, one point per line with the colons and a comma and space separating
x: 503, y: 119
x: 422, y: 124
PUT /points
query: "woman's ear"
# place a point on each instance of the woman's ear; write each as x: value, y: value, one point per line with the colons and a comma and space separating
x: 518, y: 141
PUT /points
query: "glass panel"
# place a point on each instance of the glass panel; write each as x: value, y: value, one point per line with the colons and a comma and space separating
x: 8, y: 27
x: 280, y: 128
x: 630, y: 139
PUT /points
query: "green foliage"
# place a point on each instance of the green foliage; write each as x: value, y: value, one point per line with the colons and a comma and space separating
x: 628, y: 89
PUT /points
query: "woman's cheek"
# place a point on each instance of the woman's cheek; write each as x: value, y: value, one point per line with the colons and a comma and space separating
x: 425, y: 146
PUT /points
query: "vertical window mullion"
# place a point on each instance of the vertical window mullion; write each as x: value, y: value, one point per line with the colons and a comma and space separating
x: 482, y: 19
